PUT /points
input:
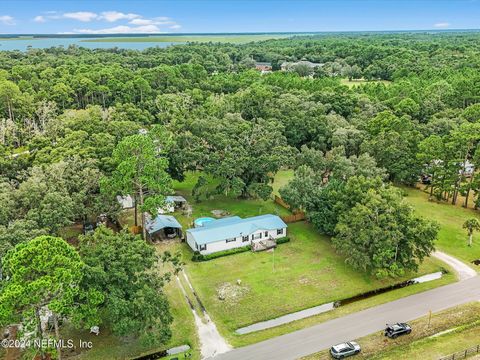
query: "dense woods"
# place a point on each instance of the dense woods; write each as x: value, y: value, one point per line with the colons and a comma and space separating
x: 79, y: 126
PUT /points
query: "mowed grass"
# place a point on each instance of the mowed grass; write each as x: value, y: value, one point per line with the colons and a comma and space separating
x: 272, y: 282
x: 356, y: 82
x: 303, y: 273
x: 456, y: 329
x: 235, y: 39
x: 452, y: 238
x: 232, y: 205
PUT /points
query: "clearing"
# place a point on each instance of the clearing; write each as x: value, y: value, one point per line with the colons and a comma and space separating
x: 452, y: 238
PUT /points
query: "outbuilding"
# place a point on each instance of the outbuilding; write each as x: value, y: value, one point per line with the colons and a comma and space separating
x: 163, y: 227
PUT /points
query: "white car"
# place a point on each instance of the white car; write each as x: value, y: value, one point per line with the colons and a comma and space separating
x: 344, y: 350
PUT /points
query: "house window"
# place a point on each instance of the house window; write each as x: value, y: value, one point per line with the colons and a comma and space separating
x: 245, y: 238
x: 279, y: 231
x: 256, y: 236
x: 266, y: 233
x: 203, y: 247
x: 230, y: 240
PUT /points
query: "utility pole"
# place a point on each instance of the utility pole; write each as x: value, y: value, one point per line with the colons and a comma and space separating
x: 273, y: 253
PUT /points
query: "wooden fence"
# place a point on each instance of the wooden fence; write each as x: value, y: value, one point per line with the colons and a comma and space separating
x: 297, y: 215
x: 462, y: 354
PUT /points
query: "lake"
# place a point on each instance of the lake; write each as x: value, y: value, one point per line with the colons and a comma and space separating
x: 42, y: 43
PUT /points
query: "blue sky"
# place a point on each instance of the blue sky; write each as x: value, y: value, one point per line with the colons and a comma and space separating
x: 199, y: 16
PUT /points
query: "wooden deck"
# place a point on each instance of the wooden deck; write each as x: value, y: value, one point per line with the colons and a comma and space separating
x: 264, y: 244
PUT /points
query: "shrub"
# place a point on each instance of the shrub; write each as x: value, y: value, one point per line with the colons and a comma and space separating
x: 199, y: 257
x: 283, y: 240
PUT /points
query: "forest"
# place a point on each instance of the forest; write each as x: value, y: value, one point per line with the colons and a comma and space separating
x: 79, y: 127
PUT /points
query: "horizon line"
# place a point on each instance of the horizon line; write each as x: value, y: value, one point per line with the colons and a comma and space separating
x: 243, y: 32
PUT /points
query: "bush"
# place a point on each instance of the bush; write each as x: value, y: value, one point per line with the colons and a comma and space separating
x: 199, y: 257
x: 283, y: 240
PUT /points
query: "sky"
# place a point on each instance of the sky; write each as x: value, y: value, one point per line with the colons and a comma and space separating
x: 219, y: 16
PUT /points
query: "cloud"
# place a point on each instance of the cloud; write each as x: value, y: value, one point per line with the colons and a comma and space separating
x: 121, y: 29
x: 40, y: 19
x: 7, y: 20
x: 136, y: 23
x: 441, y: 25
x: 84, y: 16
x: 154, y: 21
x: 112, y: 16
x: 142, y: 22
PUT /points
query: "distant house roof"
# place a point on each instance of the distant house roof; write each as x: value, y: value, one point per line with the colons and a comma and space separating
x: 234, y: 226
x: 161, y: 222
x: 175, y: 198
x: 310, y: 64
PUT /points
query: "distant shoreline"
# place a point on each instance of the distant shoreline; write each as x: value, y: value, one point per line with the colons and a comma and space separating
x: 190, y: 38
x: 273, y: 33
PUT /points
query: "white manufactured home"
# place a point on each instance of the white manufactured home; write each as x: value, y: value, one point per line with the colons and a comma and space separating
x: 233, y: 232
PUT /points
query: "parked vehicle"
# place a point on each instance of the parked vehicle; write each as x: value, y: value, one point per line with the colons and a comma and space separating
x: 426, y: 179
x: 344, y: 350
x: 395, y: 330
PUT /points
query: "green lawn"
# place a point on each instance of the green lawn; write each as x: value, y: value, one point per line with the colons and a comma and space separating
x: 281, y: 179
x: 307, y: 265
x: 452, y: 239
x: 456, y: 329
x: 237, y: 39
x: 356, y: 82
x: 242, y: 208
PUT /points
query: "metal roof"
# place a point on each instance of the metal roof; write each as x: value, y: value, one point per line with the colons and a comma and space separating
x: 161, y: 222
x: 175, y: 198
x: 234, y: 226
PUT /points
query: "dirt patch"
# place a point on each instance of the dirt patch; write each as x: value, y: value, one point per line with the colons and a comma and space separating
x: 219, y: 213
x: 231, y: 293
x: 304, y: 281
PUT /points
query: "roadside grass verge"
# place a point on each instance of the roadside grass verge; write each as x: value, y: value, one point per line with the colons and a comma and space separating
x: 464, y: 320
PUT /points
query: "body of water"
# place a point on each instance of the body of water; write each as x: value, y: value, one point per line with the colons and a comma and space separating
x: 44, y: 43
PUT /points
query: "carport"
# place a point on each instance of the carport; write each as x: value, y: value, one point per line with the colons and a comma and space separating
x: 163, y: 227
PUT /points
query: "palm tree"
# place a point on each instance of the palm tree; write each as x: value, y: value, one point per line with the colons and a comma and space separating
x: 471, y: 225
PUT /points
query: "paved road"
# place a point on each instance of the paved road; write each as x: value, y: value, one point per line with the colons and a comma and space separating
x: 322, y: 336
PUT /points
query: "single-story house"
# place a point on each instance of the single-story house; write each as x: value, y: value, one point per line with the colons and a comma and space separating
x: 172, y: 203
x: 232, y: 232
x: 287, y: 66
x: 126, y: 202
x: 163, y: 227
x: 264, y: 67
